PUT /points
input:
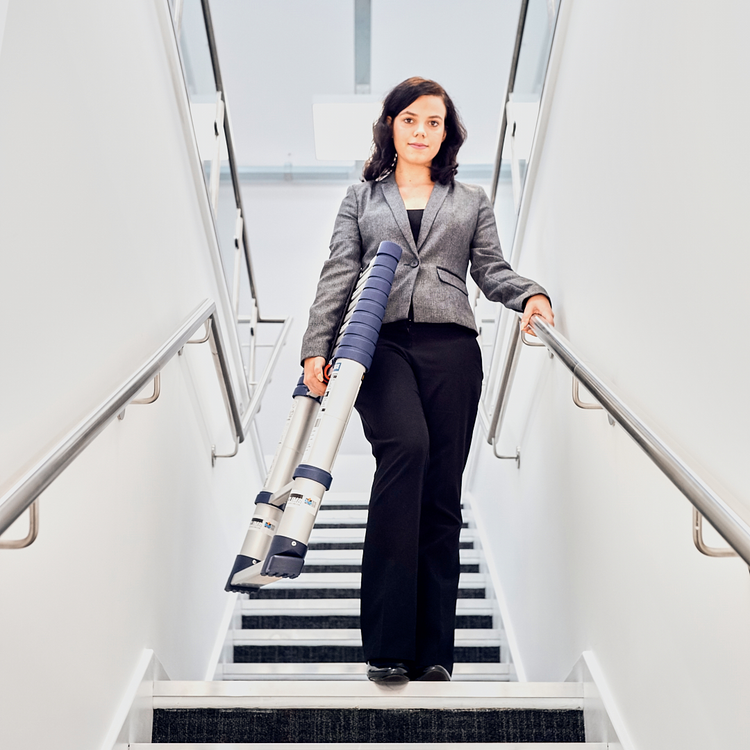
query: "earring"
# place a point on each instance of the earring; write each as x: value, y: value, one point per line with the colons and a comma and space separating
x: 389, y: 170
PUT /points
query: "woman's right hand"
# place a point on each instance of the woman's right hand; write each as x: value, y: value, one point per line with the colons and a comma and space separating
x: 314, y: 375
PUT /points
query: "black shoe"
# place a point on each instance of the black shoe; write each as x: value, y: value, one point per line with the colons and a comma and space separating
x: 435, y: 673
x: 388, y: 674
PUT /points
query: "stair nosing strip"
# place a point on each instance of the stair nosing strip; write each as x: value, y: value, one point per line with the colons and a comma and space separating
x: 371, y: 746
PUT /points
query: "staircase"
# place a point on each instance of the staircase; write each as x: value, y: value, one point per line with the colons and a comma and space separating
x: 298, y: 675
x: 308, y: 628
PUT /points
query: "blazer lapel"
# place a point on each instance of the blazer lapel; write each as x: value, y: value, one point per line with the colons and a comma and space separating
x: 439, y: 191
x: 396, y: 203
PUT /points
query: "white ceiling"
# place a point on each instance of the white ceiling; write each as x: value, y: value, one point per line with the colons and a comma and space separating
x: 278, y: 56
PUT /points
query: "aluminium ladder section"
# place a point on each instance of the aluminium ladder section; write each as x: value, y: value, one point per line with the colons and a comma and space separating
x: 286, y: 508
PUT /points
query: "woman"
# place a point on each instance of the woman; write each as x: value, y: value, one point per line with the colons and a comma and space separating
x: 418, y: 402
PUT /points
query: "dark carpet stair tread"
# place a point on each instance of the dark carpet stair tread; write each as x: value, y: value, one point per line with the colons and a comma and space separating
x: 468, y: 568
x: 279, y: 593
x: 334, y: 622
x: 367, y: 725
x: 269, y: 592
x: 301, y: 654
x: 464, y: 525
x: 340, y: 526
x: 336, y: 506
x: 360, y: 545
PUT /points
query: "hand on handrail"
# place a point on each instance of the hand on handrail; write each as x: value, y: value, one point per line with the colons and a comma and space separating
x: 540, y: 305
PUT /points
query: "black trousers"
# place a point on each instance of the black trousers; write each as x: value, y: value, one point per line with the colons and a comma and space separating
x: 418, y: 404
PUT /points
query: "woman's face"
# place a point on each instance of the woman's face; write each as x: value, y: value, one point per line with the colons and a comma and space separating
x: 419, y: 130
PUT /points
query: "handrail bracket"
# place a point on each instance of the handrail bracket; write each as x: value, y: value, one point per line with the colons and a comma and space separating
x: 150, y: 400
x: 30, y: 538
x: 516, y: 457
x: 586, y: 405
x: 700, y: 543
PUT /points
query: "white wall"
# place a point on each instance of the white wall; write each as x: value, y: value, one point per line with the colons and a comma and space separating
x: 3, y: 11
x: 638, y: 228
x: 104, y: 252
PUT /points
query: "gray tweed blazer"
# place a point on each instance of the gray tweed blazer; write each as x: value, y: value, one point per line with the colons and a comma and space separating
x: 458, y: 229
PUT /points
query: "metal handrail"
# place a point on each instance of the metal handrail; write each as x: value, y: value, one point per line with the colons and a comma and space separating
x: 508, y: 91
x: 229, y: 138
x: 265, y: 379
x: 727, y: 521
x: 506, y: 381
x: 521, y: 212
x: 36, y: 479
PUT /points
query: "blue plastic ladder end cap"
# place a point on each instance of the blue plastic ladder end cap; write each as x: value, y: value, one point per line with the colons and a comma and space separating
x: 364, y: 330
x: 305, y: 471
x: 390, y: 248
x: 264, y: 496
x: 370, y: 306
x: 280, y: 566
x: 285, y: 558
x: 374, y: 282
x: 301, y: 390
x: 357, y: 355
x: 386, y: 261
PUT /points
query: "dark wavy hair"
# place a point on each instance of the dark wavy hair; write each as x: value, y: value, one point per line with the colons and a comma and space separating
x: 444, y: 165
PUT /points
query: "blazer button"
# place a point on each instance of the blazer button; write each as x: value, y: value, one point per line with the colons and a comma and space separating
x: 414, y: 263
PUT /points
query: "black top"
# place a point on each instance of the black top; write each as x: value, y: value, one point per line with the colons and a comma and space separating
x: 415, y: 219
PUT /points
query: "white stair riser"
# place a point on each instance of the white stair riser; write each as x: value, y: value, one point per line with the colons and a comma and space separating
x: 350, y: 694
x: 344, y: 535
x: 352, y: 580
x: 348, y: 637
x: 354, y: 557
x: 475, y: 672
x: 339, y: 607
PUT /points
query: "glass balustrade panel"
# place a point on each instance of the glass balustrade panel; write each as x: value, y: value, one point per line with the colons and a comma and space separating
x: 199, y: 77
x: 522, y: 111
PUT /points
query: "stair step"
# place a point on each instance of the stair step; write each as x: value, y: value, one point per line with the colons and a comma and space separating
x: 348, y: 694
x: 363, y: 712
x: 354, y: 557
x: 325, y: 620
x: 357, y: 500
x: 358, y: 545
x: 371, y: 746
x: 326, y: 516
x: 367, y: 725
x: 345, y: 534
x: 336, y: 568
x: 352, y: 580
x: 291, y: 652
x: 350, y: 561
x: 353, y: 514
x: 476, y: 671
x: 339, y: 607
x: 347, y: 498
x: 313, y: 592
x: 347, y: 637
